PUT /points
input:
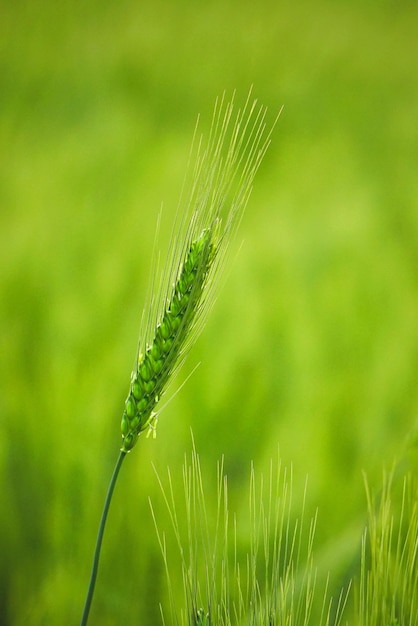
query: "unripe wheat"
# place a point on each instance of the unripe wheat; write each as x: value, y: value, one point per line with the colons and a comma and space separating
x: 220, y: 185
x: 160, y: 358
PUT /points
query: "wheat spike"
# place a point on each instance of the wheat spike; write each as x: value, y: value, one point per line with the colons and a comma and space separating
x: 160, y: 358
x: 220, y: 185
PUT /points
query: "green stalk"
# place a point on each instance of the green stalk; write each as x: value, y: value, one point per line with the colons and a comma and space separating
x: 99, y: 539
x: 219, y: 190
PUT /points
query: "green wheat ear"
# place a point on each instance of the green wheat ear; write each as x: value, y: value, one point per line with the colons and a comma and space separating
x: 159, y: 361
x: 220, y: 186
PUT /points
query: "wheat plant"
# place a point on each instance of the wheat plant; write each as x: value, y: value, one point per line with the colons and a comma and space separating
x: 388, y: 587
x: 214, y: 196
x: 273, y: 582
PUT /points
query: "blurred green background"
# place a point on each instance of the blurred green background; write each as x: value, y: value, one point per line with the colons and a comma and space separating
x: 312, y: 345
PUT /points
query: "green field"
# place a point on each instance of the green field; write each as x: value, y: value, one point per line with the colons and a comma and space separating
x: 312, y: 346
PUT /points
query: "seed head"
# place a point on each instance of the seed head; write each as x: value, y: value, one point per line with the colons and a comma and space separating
x: 220, y: 185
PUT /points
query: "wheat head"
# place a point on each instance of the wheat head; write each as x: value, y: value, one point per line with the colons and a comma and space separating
x: 218, y: 190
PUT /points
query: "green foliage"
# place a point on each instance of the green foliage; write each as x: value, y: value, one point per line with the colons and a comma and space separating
x: 314, y: 343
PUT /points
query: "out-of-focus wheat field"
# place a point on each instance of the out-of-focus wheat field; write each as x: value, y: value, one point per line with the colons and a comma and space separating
x: 312, y: 346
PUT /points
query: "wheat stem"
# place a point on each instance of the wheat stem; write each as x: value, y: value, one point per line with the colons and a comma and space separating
x: 99, y: 539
